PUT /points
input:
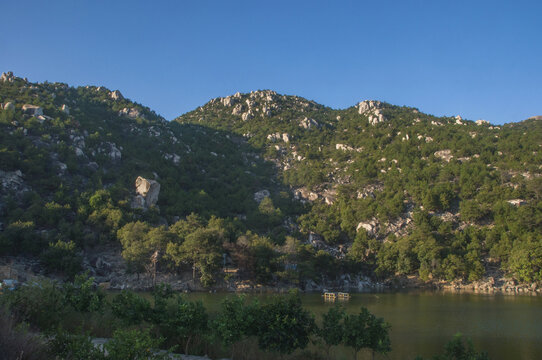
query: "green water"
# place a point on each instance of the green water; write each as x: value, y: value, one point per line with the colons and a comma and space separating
x: 507, y: 327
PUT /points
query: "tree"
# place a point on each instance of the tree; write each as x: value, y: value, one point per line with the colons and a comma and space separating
x: 202, y: 248
x: 235, y: 322
x: 365, y: 331
x: 332, y: 330
x: 131, y: 308
x: 457, y: 349
x: 82, y: 295
x: 143, y: 246
x: 187, y: 320
x: 283, y: 325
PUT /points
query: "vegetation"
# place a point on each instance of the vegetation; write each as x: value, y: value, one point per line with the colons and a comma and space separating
x: 439, y: 198
x: 137, y: 328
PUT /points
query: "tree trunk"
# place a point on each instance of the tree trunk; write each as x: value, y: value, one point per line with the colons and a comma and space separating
x: 186, y: 346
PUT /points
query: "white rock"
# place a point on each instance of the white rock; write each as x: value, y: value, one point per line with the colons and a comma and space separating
x: 32, y: 110
x: 368, y: 105
x: 260, y: 195
x: 308, y: 123
x: 116, y: 95
x: 237, y: 110
x: 148, y: 189
x: 228, y: 101
x: 285, y: 137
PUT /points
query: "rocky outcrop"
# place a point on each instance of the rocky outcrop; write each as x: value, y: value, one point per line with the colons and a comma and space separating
x: 228, y: 101
x: 116, y: 95
x: 260, y: 195
x: 147, y: 193
x: 12, y: 181
x: 344, y: 147
x: 308, y: 123
x: 7, y: 77
x: 132, y: 113
x: 482, y: 122
x: 32, y: 110
x: 111, y: 150
x: 237, y: 110
x: 372, y: 109
x: 247, y: 116
x: 368, y: 105
x: 371, y: 227
x: 445, y: 155
x: 517, y: 202
x: 173, y: 157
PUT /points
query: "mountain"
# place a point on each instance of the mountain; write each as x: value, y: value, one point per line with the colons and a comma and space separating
x: 279, y: 187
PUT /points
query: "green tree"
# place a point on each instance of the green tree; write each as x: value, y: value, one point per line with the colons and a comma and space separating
x: 365, y: 331
x: 459, y: 349
x: 332, y: 330
x: 283, y: 325
x: 235, y: 321
x: 186, y: 321
x: 131, y: 308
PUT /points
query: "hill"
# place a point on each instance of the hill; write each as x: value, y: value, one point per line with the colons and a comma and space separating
x: 283, y: 189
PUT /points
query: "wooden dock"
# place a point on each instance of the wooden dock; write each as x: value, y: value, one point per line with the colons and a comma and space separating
x: 332, y: 296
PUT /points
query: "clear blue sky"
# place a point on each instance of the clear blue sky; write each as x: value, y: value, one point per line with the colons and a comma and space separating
x: 479, y: 59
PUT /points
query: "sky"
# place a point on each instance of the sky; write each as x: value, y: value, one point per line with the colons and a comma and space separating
x: 477, y: 59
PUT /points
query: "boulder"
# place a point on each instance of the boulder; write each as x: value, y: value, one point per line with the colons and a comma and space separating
x: 116, y: 95
x: 228, y: 101
x: 445, y: 155
x: 370, y: 227
x: 247, y: 116
x: 260, y: 195
x: 285, y: 137
x: 9, y: 106
x: 32, y: 110
x: 148, y: 189
x: 237, y: 110
x: 308, y: 123
x: 482, y: 122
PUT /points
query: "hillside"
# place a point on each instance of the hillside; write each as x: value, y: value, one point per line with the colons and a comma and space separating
x: 397, y: 191
x: 283, y: 189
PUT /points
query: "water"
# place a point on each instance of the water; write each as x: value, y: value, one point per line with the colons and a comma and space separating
x: 507, y: 327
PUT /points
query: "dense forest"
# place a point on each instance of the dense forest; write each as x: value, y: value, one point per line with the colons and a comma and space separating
x: 278, y: 187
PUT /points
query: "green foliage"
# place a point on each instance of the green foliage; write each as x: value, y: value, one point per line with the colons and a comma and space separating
x: 365, y: 331
x: 62, y: 256
x: 283, y: 325
x: 131, y: 308
x: 185, y: 321
x: 459, y: 349
x: 332, y: 330
x: 82, y: 295
x: 64, y: 345
x: 133, y: 344
x: 235, y: 322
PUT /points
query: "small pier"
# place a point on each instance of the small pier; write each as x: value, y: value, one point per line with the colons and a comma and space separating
x: 332, y: 296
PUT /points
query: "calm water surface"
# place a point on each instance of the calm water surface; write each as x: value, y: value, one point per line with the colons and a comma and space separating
x: 507, y: 327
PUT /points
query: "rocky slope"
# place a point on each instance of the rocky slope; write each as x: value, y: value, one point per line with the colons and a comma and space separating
x: 309, y: 194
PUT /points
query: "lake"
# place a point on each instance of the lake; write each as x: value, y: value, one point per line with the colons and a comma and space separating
x: 507, y: 327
